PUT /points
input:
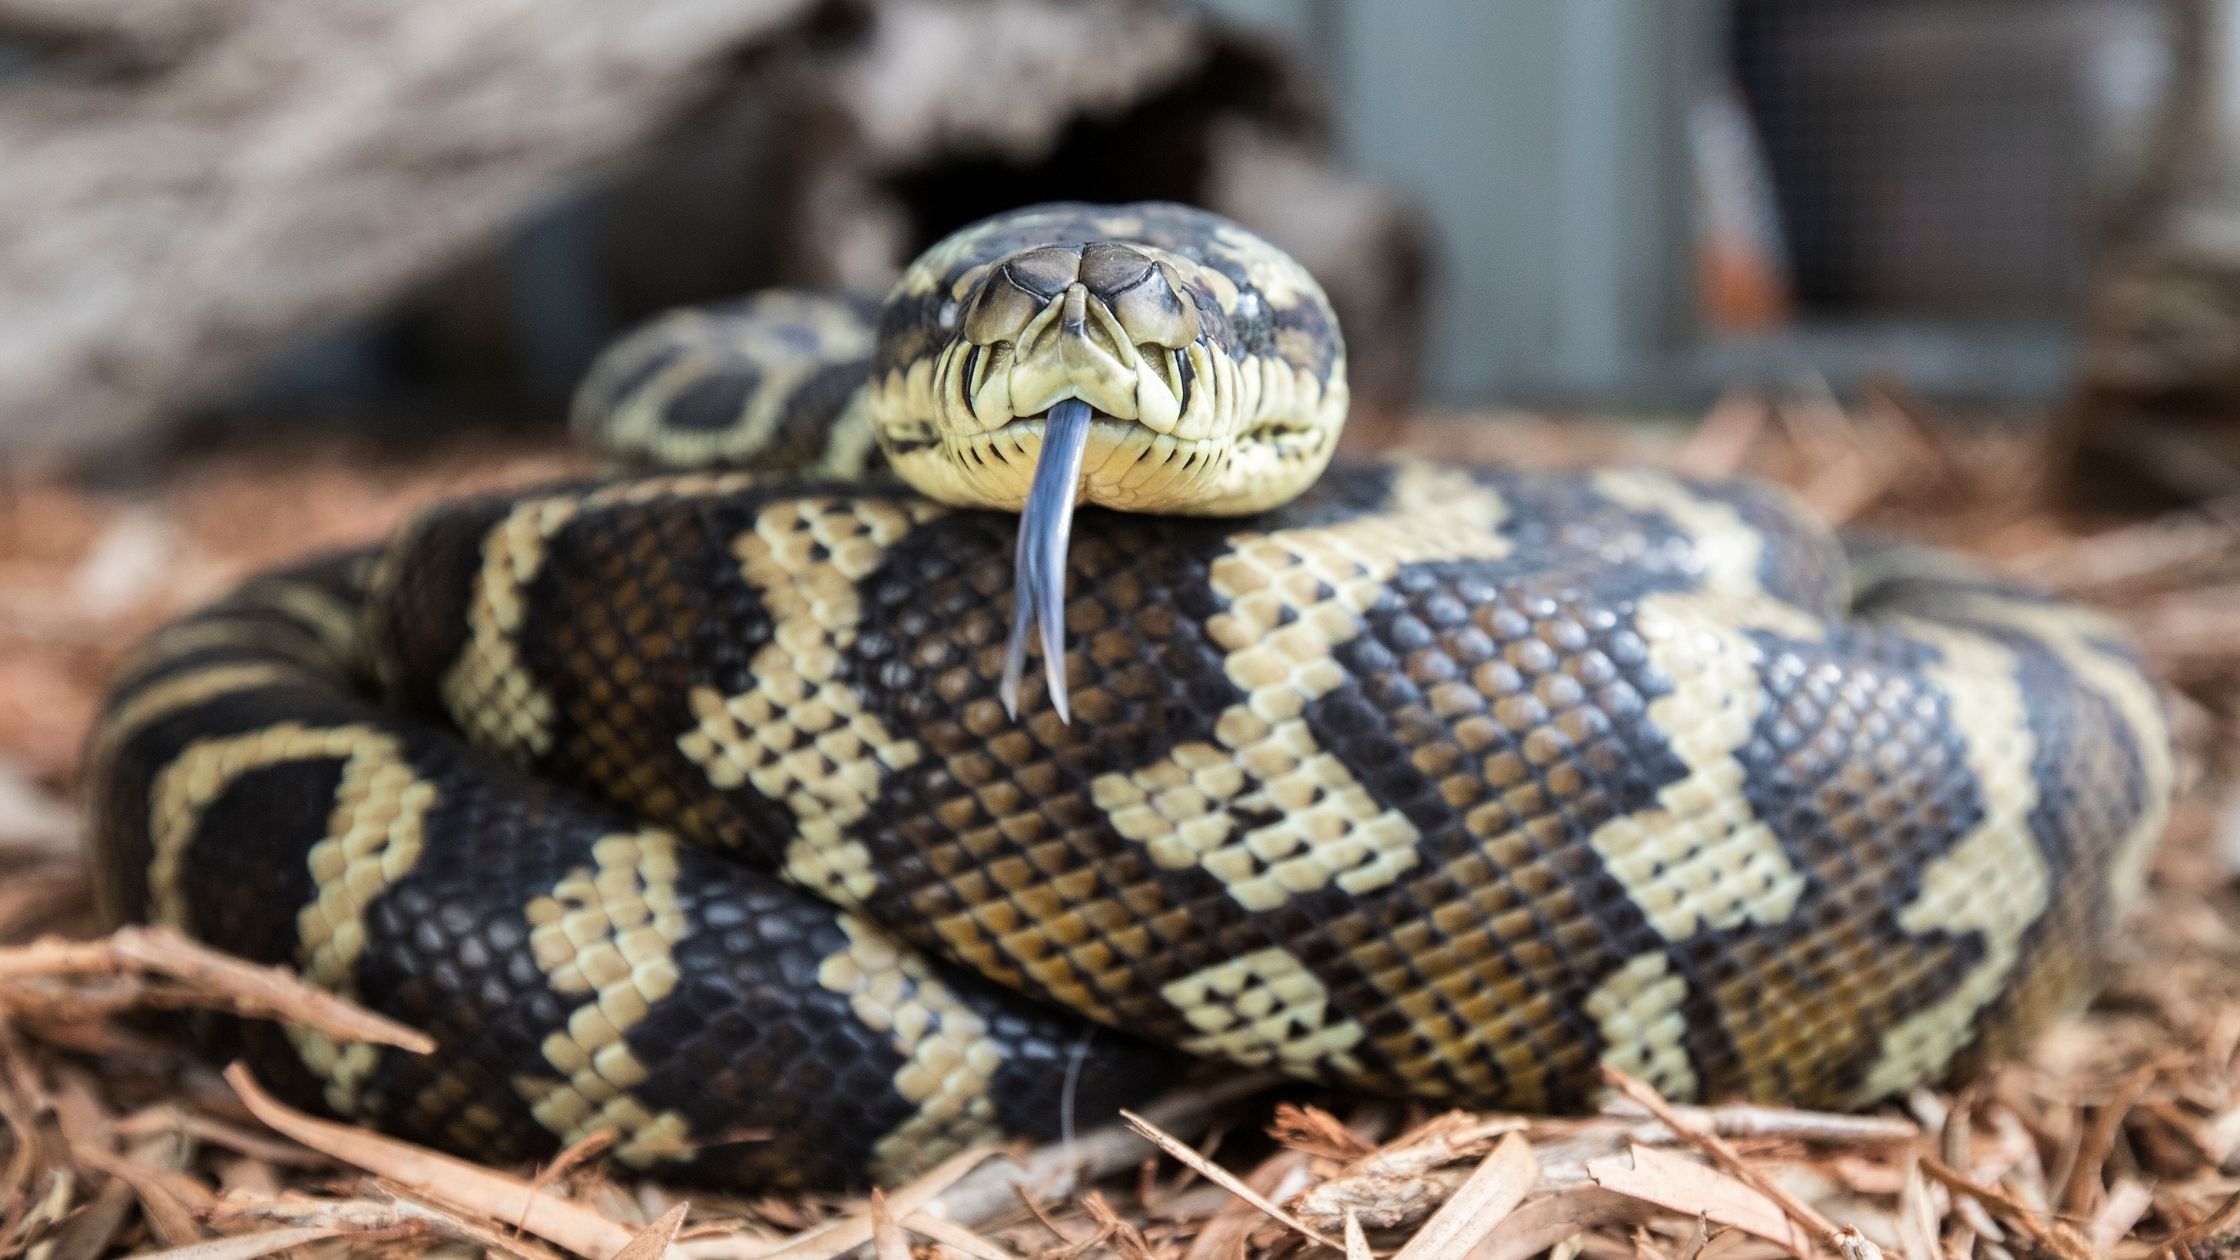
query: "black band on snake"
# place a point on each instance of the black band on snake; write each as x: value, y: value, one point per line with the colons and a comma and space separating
x: 696, y: 805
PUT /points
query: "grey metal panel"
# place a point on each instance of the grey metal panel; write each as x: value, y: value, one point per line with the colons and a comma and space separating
x: 1547, y: 141
x: 1623, y: 229
x: 1450, y: 99
x: 1539, y: 136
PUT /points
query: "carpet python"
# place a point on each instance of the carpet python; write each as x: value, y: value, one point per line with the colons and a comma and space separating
x: 707, y: 805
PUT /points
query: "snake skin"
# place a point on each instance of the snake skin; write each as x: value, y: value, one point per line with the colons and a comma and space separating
x: 683, y: 805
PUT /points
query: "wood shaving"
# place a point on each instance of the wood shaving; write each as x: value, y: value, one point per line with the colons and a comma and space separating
x: 2118, y: 1136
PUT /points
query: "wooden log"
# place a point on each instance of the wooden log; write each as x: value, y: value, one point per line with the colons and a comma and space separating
x: 193, y: 190
x: 273, y: 167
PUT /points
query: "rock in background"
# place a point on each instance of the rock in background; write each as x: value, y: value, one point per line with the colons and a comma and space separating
x: 414, y: 212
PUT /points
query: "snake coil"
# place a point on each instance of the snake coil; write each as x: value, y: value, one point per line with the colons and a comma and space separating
x: 691, y: 805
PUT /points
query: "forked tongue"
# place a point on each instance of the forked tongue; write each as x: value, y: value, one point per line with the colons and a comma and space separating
x: 1039, y: 582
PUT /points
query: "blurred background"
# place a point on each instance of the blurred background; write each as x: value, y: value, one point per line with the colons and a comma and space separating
x: 251, y: 213
x: 271, y: 273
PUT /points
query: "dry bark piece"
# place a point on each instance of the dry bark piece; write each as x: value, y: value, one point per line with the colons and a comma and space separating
x: 2052, y: 1235
x: 1357, y: 1242
x: 1546, y: 1222
x: 168, y: 1200
x: 1056, y: 1169
x: 1691, y: 1190
x: 270, y: 1242
x: 1318, y: 1133
x: 2120, y: 1213
x: 394, y: 1215
x: 2082, y: 1188
x: 1721, y: 1153
x: 957, y: 1238
x: 854, y: 1230
x: 581, y: 1151
x: 653, y: 1241
x: 1225, y: 1179
x: 1493, y: 1191
x: 1393, y: 1186
x: 445, y: 1180
x: 209, y: 978
x: 1919, y: 1223
x: 1227, y: 1231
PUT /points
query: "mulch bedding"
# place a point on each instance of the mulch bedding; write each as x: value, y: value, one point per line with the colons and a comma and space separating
x: 2118, y: 1136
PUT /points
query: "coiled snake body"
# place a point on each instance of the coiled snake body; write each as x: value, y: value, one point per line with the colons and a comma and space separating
x: 689, y: 805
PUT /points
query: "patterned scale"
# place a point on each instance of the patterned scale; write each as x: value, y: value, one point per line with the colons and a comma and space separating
x: 686, y: 805
x: 1439, y: 782
x: 579, y: 969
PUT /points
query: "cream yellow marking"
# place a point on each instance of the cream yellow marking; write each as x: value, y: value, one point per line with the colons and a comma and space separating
x: 211, y: 632
x: 1282, y: 282
x: 374, y: 836
x: 802, y: 736
x: 333, y: 620
x: 1119, y: 227
x: 1637, y: 1011
x: 1992, y: 883
x: 605, y: 933
x: 1729, y: 548
x: 1293, y: 597
x: 172, y: 696
x: 762, y: 336
x: 488, y: 691
x: 1265, y: 1008
x: 948, y: 1057
x: 2069, y: 632
x: 1701, y: 858
x: 852, y: 442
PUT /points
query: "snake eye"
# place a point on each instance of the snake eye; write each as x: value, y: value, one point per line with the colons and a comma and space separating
x: 1154, y: 310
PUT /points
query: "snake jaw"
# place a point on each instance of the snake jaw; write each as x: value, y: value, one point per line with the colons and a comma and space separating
x: 1039, y: 560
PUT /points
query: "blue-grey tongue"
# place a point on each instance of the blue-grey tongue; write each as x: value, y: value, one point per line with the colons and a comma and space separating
x: 1038, y: 590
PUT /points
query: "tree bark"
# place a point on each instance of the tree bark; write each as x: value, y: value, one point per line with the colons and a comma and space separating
x: 185, y: 196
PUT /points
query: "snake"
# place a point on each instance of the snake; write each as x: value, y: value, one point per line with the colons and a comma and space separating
x: 707, y: 805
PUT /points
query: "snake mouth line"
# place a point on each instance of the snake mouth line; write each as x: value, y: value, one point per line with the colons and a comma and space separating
x: 999, y: 444
x: 1039, y: 563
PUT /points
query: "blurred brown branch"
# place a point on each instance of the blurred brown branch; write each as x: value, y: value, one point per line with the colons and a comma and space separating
x: 191, y: 189
x: 294, y: 165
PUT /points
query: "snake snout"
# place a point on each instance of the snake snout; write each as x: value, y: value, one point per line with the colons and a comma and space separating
x: 1074, y: 348
x: 1104, y: 323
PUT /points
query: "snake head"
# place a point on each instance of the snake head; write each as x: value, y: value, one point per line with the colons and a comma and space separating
x: 1147, y: 358
x: 1209, y: 360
